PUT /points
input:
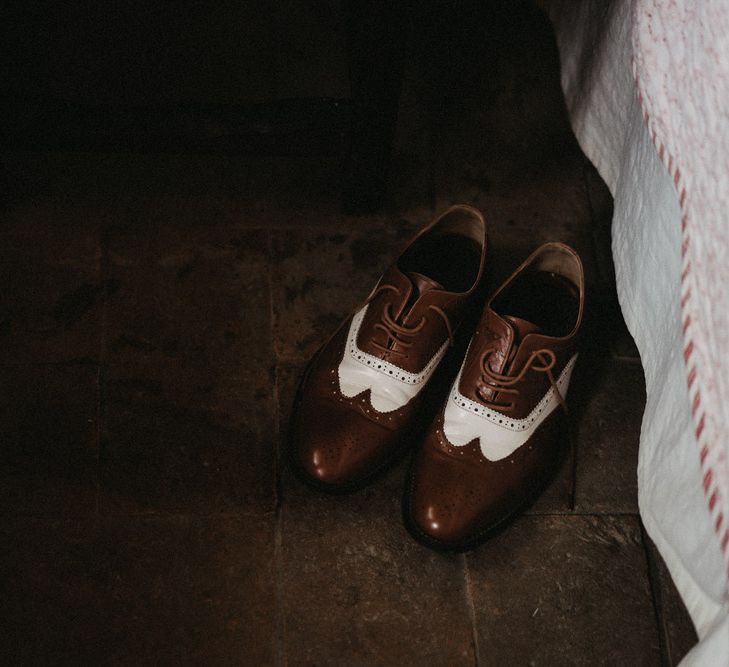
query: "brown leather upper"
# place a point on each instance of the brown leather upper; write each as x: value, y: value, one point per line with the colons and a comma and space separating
x: 455, y: 494
x: 495, y: 338
x: 434, y: 331
x: 339, y: 441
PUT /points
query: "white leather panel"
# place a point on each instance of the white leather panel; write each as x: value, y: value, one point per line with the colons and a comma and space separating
x: 390, y: 386
x: 499, y: 436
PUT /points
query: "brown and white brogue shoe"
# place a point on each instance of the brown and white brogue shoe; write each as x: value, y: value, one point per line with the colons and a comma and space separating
x: 361, y: 395
x: 500, y: 435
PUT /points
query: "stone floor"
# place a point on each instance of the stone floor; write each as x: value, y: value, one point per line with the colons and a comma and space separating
x: 155, y: 315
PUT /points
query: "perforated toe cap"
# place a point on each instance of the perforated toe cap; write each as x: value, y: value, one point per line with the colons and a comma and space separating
x: 337, y: 446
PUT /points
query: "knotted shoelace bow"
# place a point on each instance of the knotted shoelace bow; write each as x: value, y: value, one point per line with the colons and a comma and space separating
x: 499, y: 383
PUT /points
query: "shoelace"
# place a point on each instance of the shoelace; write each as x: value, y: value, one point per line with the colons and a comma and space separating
x: 496, y: 382
x: 395, y: 331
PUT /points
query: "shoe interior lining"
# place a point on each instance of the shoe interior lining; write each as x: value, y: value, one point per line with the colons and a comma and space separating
x: 560, y: 260
x: 450, y: 252
x: 451, y: 259
x: 463, y: 222
x: 546, y: 299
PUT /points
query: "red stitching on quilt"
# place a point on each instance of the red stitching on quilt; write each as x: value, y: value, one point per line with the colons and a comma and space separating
x: 700, y: 427
x: 694, y: 383
x: 686, y: 271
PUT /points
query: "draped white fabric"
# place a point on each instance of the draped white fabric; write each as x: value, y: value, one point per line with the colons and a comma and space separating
x: 647, y: 89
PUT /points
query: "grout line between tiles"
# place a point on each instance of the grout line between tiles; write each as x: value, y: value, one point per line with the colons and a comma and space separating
x: 159, y: 514
x: 238, y: 514
x: 633, y: 361
x: 578, y: 513
x: 280, y: 658
x: 101, y: 373
x: 66, y: 363
x: 227, y: 514
x: 574, y: 462
x: 471, y: 610
x: 280, y: 618
x: 98, y: 407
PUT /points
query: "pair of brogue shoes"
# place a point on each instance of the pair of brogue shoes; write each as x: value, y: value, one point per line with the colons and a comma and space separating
x: 484, y: 450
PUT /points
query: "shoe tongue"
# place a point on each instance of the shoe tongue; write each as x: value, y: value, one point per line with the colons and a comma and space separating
x: 521, y: 327
x: 422, y: 283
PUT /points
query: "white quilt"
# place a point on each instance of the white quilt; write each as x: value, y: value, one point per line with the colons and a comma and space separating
x: 647, y: 88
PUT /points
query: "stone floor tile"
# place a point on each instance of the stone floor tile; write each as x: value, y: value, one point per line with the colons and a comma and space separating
x: 193, y: 190
x: 243, y: 191
x: 288, y: 377
x: 172, y: 458
x: 296, y: 192
x: 548, y: 204
x: 189, y: 309
x: 48, y: 440
x: 678, y: 635
x: 319, y: 277
x: 551, y: 207
x: 608, y: 418
x: 358, y: 590
x: 592, y: 476
x: 134, y: 591
x: 52, y: 231
x: 568, y: 590
x: 189, y: 410
x: 121, y: 179
x: 49, y: 313
x: 557, y: 497
x: 50, y: 305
